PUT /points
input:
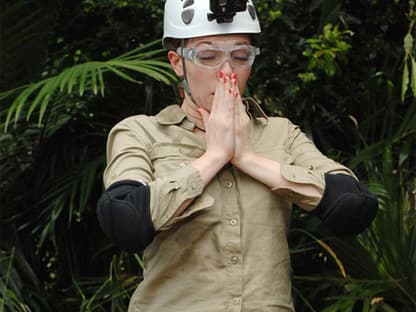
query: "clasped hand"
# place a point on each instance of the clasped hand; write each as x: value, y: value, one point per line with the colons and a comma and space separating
x: 227, y: 125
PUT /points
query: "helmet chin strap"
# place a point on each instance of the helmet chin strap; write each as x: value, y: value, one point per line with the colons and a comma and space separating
x: 185, y: 79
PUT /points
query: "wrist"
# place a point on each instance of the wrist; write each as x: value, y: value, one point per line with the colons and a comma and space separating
x: 209, y: 164
x: 245, y: 160
x: 216, y: 158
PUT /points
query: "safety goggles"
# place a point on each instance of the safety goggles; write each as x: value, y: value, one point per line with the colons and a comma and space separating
x: 214, y: 56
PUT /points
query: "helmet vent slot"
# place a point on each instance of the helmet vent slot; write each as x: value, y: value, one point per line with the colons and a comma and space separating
x: 188, y: 3
x: 187, y: 16
x: 252, y: 11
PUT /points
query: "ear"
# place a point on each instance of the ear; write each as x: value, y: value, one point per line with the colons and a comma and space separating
x: 176, y: 62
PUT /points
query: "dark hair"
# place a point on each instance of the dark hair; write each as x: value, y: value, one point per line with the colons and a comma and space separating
x: 173, y: 43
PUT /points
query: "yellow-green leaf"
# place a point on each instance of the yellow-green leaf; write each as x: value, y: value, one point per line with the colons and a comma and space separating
x: 408, y: 43
x: 405, y: 80
x: 413, y: 76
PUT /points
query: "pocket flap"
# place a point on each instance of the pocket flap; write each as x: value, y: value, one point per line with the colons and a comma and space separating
x: 169, y: 149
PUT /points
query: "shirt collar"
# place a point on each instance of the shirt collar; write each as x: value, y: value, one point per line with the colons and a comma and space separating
x: 254, y: 109
x: 171, y: 115
x: 174, y: 115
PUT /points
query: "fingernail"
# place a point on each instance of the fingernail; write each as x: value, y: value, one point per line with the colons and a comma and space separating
x: 234, y: 75
x: 220, y: 74
x: 234, y: 80
x: 236, y: 93
x: 230, y: 91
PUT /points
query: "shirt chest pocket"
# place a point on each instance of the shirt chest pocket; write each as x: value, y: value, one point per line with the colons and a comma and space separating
x: 168, y: 157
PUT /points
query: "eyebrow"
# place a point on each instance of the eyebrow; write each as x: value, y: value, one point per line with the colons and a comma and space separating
x: 205, y: 42
x: 213, y: 43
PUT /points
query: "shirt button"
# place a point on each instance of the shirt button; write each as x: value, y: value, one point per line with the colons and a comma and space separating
x: 233, y: 221
x: 229, y: 184
x: 182, y: 165
x: 236, y: 300
x: 234, y: 259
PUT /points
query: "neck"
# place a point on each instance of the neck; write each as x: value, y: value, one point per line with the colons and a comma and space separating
x: 191, y: 111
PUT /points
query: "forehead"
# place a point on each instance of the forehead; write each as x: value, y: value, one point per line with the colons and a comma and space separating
x: 227, y: 40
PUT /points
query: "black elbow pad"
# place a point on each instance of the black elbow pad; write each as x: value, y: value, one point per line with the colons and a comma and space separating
x: 347, y: 208
x: 123, y: 212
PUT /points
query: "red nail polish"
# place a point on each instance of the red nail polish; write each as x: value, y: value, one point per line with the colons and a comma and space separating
x: 234, y: 75
x: 236, y: 93
x: 220, y: 74
x: 230, y: 91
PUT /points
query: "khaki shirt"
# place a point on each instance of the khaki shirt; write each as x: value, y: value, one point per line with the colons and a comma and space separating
x: 228, y: 251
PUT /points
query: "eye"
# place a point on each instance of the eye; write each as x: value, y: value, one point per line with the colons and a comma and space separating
x: 209, y: 56
x: 206, y: 55
x: 241, y: 55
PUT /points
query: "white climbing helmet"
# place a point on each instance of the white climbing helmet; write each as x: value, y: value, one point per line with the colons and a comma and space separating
x: 195, y: 18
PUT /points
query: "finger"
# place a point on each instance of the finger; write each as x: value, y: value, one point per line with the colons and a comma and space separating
x: 229, y: 88
x: 225, y: 100
x: 240, y: 108
x: 219, y: 92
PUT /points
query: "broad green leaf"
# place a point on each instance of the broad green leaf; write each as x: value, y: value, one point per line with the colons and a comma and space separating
x: 83, y: 78
x: 408, y: 43
x: 405, y: 81
x: 48, y: 90
x: 43, y: 108
x: 121, y: 74
x: 89, y: 75
x: 413, y: 76
x: 73, y: 78
x: 64, y: 78
x: 143, y: 47
x: 94, y: 80
x: 100, y: 80
x: 19, y: 102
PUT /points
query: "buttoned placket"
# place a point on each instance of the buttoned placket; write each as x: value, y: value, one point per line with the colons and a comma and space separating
x: 232, y: 239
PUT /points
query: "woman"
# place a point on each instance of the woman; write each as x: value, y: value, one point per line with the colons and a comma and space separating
x: 206, y: 188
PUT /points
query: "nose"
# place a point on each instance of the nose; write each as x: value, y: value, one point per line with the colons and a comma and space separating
x: 226, y: 68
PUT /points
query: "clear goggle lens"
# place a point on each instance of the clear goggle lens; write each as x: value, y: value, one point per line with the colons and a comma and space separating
x: 211, y: 57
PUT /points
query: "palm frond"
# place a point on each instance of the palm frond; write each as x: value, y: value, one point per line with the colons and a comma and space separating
x: 86, y: 76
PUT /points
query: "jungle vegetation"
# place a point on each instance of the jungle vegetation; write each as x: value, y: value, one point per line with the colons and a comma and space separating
x: 345, y: 71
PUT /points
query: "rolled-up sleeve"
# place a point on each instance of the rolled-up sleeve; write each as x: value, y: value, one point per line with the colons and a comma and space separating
x: 168, y: 193
x: 308, y: 166
x: 128, y: 158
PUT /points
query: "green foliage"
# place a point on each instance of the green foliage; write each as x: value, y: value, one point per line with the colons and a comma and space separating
x: 344, y: 71
x: 17, y: 281
x: 409, y: 54
x: 355, y: 113
x: 113, y: 291
x: 88, y: 76
x: 323, y: 51
x: 52, y: 157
